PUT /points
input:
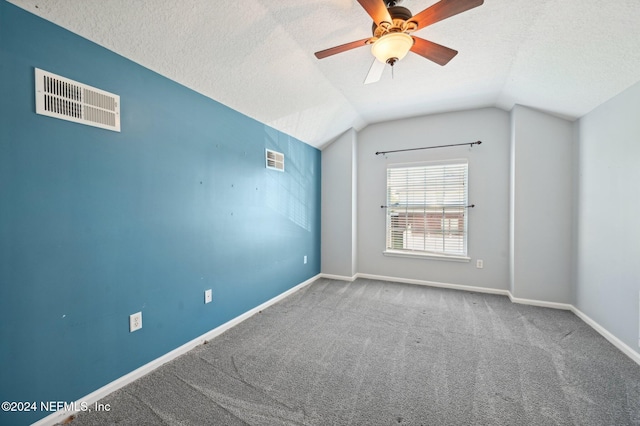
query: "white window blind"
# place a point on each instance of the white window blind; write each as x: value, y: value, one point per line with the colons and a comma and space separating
x: 427, y: 208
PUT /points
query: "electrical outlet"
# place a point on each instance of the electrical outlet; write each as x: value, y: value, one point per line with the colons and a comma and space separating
x: 135, y: 322
x: 305, y: 260
x: 208, y: 296
x: 479, y: 264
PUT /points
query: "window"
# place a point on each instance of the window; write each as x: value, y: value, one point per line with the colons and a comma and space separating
x: 427, y: 209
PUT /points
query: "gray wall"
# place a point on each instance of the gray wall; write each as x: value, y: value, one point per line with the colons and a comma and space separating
x: 556, y: 205
x: 541, y: 206
x: 488, y: 190
x: 608, y: 238
x: 338, y: 245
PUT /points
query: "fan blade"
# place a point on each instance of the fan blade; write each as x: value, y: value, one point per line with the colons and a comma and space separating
x: 375, y: 72
x: 442, y: 10
x: 439, y: 54
x: 377, y: 10
x: 342, y: 48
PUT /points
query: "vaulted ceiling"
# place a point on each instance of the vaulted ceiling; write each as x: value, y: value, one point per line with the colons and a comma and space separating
x: 256, y: 56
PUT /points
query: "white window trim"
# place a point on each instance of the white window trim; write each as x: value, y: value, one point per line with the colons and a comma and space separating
x: 426, y: 254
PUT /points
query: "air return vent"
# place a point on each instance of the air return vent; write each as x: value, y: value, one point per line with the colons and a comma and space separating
x: 275, y: 160
x: 66, y: 99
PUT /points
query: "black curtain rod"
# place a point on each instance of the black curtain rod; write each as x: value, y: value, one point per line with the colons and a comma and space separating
x: 430, y: 147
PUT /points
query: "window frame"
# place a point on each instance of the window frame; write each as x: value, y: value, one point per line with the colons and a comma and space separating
x: 429, y: 254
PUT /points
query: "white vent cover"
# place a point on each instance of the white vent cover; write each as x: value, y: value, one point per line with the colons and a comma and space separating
x: 275, y: 160
x: 66, y: 99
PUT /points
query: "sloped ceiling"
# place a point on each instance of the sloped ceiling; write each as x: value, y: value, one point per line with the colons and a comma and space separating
x: 256, y: 56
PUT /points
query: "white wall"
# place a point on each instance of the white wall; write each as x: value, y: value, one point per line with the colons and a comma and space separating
x: 488, y: 190
x: 541, y: 206
x: 338, y: 244
x: 608, y: 240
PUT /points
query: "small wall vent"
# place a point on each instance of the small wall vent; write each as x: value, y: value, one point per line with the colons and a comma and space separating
x: 69, y: 100
x: 275, y: 160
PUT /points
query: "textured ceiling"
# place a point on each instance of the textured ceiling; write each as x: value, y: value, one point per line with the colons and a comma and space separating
x: 561, y: 56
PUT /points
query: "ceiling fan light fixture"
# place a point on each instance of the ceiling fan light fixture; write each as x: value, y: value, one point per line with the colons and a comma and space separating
x: 392, y: 47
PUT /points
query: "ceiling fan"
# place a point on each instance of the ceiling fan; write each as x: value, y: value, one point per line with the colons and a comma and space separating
x: 392, y: 29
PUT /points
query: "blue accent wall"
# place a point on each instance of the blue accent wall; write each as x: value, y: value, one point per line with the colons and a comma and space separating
x: 96, y: 225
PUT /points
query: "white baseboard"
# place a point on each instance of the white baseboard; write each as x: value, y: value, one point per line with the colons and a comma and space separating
x: 97, y: 395
x: 435, y: 284
x: 339, y: 277
x: 541, y: 303
x: 626, y: 349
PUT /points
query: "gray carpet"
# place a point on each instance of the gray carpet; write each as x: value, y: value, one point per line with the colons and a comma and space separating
x: 379, y: 353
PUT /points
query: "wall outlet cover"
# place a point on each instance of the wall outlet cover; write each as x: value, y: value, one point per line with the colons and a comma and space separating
x: 208, y: 296
x: 135, y: 322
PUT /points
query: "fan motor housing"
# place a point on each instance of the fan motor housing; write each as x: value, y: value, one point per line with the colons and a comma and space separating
x: 399, y: 12
x: 399, y: 15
